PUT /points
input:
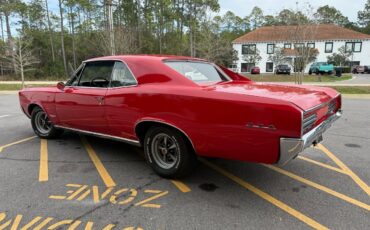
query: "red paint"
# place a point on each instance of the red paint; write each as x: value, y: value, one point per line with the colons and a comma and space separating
x: 214, y: 116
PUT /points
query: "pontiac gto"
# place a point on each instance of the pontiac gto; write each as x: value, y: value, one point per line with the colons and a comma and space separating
x: 178, y: 108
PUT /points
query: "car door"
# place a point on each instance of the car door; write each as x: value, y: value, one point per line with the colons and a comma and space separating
x: 80, y: 105
x: 122, y: 102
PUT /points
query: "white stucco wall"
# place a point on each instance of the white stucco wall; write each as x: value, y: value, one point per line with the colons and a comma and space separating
x: 363, y: 57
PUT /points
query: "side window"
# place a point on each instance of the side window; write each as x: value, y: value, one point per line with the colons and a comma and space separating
x: 122, y: 76
x: 96, y: 74
x: 73, y: 81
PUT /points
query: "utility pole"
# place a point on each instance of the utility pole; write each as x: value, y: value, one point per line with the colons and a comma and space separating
x: 110, y: 25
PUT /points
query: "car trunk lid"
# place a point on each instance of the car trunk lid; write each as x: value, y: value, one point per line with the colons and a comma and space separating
x: 305, y: 97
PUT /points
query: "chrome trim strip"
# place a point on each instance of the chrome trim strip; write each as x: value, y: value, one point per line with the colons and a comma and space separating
x: 129, y: 141
x: 322, y: 104
x: 163, y: 122
x: 291, y: 147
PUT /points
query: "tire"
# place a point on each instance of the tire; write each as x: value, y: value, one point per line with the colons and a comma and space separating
x: 309, y: 72
x: 168, y: 152
x: 42, y: 126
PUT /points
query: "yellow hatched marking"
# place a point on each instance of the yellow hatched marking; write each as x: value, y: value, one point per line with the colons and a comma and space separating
x: 44, y: 164
x: 181, y: 186
x: 300, y: 216
x: 321, y: 164
x: 344, y: 167
x: 108, y: 181
x: 320, y: 187
x: 16, y: 142
x: 31, y: 223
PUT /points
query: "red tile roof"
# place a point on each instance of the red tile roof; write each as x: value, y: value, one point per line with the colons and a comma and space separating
x: 315, y: 33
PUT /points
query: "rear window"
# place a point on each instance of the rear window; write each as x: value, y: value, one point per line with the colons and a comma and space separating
x: 198, y: 72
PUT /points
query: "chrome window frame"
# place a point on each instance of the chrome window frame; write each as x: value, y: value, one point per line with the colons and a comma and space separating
x: 109, y: 86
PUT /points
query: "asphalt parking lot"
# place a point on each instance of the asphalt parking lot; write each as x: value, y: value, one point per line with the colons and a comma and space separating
x: 82, y: 182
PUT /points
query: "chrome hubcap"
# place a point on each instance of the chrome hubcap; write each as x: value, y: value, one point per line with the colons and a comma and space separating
x: 165, y: 150
x: 42, y: 123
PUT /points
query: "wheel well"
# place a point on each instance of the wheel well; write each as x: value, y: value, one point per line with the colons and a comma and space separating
x: 31, y: 107
x: 144, y: 126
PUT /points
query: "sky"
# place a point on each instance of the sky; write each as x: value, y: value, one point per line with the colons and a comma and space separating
x: 242, y: 8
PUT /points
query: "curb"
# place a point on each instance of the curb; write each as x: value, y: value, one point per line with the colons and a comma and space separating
x: 5, y: 92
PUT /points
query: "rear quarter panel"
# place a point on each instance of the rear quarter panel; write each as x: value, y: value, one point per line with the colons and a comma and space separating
x: 215, y: 122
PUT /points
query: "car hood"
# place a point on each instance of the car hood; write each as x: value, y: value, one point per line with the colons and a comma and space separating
x: 305, y: 97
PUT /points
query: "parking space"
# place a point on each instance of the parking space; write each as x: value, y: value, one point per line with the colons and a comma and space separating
x: 82, y: 182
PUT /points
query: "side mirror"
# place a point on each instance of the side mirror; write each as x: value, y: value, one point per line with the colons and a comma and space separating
x: 60, y: 85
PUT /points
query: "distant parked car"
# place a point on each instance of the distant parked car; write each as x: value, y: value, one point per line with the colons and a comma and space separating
x: 367, y: 69
x: 358, y: 69
x: 282, y: 69
x: 255, y: 70
x: 321, y: 68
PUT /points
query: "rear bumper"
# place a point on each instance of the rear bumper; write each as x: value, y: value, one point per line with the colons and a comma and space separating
x: 291, y: 147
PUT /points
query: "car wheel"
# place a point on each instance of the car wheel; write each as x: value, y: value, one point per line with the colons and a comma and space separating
x: 168, y: 152
x: 42, y: 126
x: 309, y: 72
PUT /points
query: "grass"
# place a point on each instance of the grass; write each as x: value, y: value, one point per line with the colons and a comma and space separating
x: 19, y: 86
x: 291, y: 78
x: 352, y: 89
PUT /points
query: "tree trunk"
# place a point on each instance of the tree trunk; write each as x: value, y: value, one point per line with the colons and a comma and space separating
x: 50, y: 31
x: 2, y: 28
x: 10, y: 40
x: 62, y: 37
x: 21, y: 62
x: 73, y: 37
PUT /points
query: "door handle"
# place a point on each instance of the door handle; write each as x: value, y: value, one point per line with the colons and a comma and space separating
x: 100, y: 99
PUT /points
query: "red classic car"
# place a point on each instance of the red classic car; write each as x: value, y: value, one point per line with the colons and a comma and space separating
x: 255, y: 70
x: 178, y: 108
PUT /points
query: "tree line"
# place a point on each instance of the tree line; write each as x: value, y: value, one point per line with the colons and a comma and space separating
x: 80, y: 29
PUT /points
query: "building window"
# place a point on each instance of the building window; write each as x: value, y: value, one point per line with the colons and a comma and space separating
x: 354, y: 47
x: 246, y: 67
x: 311, y: 45
x: 298, y: 45
x: 287, y: 45
x: 328, y: 47
x: 270, y: 48
x: 249, y: 49
x: 269, y: 67
x: 357, y: 46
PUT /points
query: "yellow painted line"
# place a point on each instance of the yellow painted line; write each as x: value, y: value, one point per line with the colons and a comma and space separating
x: 300, y: 216
x: 320, y: 187
x: 44, y: 164
x: 181, y: 186
x: 57, y: 197
x: 108, y: 181
x: 16, y: 142
x: 322, y: 164
x: 354, y: 177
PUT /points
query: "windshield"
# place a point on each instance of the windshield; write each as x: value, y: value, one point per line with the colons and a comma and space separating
x: 198, y: 72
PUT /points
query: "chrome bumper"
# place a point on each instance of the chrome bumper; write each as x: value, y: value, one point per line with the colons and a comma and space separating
x: 291, y: 147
